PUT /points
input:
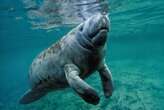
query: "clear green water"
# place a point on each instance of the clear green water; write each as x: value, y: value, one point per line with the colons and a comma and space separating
x: 135, y: 55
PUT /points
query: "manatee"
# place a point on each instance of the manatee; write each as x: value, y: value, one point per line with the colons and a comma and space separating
x: 69, y: 61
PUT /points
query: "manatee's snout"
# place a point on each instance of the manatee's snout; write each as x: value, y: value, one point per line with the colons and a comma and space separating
x: 95, y: 24
x: 101, y: 22
x: 96, y: 29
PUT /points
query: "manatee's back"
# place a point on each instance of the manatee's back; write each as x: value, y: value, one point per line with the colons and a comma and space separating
x: 48, y: 66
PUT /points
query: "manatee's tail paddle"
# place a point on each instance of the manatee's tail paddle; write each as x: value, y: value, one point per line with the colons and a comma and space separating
x: 31, y: 96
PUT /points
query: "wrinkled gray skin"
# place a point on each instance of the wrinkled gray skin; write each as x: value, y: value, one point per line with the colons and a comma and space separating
x: 69, y: 61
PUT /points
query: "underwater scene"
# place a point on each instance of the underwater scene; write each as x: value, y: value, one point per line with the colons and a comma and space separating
x: 135, y: 51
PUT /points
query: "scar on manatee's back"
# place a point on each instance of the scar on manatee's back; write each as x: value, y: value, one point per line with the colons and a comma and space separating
x: 53, y: 49
x: 50, y: 51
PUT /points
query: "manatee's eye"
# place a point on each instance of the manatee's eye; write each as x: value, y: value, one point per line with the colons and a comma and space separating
x: 81, y: 27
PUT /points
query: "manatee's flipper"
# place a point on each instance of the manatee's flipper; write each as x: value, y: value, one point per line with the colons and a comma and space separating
x: 31, y: 96
x: 82, y: 88
x: 106, y: 78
